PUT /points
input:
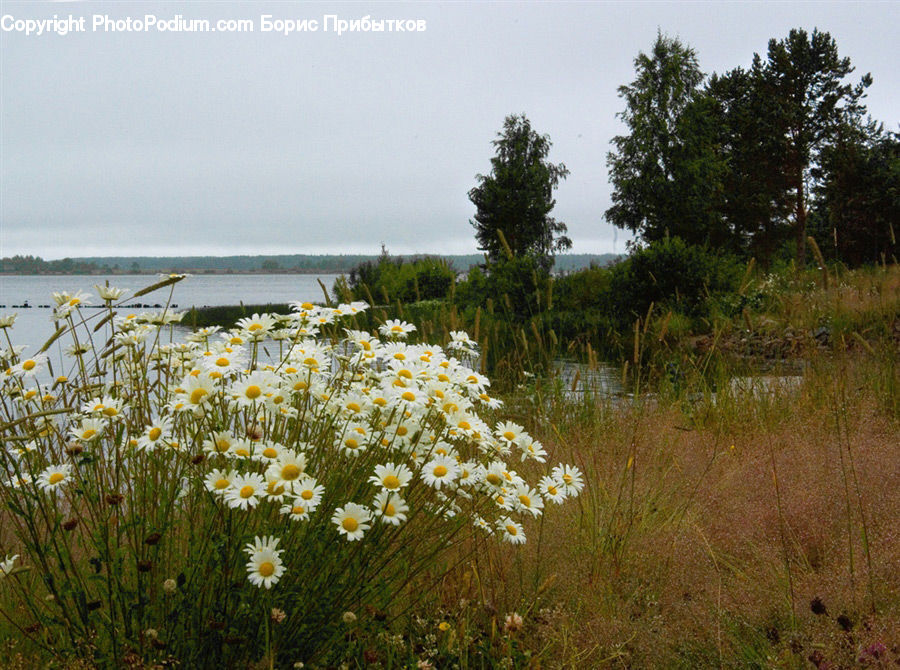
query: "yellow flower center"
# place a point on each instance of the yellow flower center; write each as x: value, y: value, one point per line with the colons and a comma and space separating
x: 402, y: 430
x: 270, y: 452
x: 298, y: 509
x: 396, y: 329
x: 236, y: 340
x: 391, y: 482
x: 154, y: 433
x: 307, y: 494
x: 349, y: 524
x: 525, y: 500
x: 56, y: 478
x: 222, y: 444
x: 88, y: 434
x: 405, y: 373
x: 311, y: 362
x: 552, y: 490
x: 253, y: 392
x: 274, y: 488
x: 28, y: 365
x: 408, y: 396
x: 222, y: 484
x: 351, y: 443
x: 567, y: 478
x: 381, y: 402
x: 353, y: 407
x: 389, y: 510
x: 493, y: 478
x: 301, y: 386
x: 512, y: 530
x: 247, y: 491
x: 241, y: 451
x: 222, y: 362
x: 266, y: 569
x: 254, y: 327
x: 509, y: 435
x: 197, y: 396
x: 289, y: 472
x: 307, y: 305
x: 289, y: 370
x: 439, y: 471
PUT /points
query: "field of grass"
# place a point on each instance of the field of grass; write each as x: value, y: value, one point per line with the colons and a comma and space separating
x: 720, y: 526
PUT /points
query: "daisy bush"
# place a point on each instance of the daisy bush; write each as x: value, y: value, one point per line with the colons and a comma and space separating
x: 163, y: 495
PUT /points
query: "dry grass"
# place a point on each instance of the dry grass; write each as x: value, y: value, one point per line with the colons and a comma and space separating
x: 691, y: 558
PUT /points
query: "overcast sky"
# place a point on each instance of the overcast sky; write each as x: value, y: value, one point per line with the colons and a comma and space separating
x: 230, y: 143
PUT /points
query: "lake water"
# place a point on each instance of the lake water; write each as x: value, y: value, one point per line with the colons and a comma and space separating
x: 34, y: 324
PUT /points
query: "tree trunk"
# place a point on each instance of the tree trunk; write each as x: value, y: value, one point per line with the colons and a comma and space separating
x: 800, y: 223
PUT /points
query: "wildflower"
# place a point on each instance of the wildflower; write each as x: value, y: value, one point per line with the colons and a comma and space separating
x: 90, y: 429
x: 169, y: 586
x: 308, y: 492
x: 277, y: 615
x: 245, y: 491
x: 348, y: 618
x: 391, y: 477
x: 227, y: 361
x: 512, y: 530
x: 440, y: 471
x: 443, y: 626
x: 247, y: 391
x: 264, y: 567
x: 352, y: 521
x: 218, y: 481
x: 54, y: 476
x: 257, y: 327
x: 396, y: 328
x: 109, y: 293
x: 30, y: 366
x: 6, y: 565
x: 550, y: 488
x: 528, y: 500
x: 390, y: 507
x: 288, y: 468
x: 7, y: 320
x: 570, y: 479
x: 513, y: 623
x: 218, y: 443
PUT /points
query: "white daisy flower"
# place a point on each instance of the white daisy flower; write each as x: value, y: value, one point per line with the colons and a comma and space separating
x: 440, y: 471
x: 352, y: 521
x: 512, y: 530
x: 390, y: 508
x: 54, y: 476
x: 570, y: 479
x: 265, y: 566
x: 391, y: 477
x: 245, y: 491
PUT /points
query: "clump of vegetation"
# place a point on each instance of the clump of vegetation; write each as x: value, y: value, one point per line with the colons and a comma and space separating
x: 202, y: 503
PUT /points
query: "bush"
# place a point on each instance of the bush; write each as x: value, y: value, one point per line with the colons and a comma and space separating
x: 391, y: 279
x: 196, y: 503
x: 669, y: 274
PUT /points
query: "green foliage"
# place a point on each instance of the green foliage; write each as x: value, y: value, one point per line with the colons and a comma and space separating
x: 666, y: 173
x: 394, y: 278
x: 857, y: 213
x: 516, y: 198
x: 669, y: 274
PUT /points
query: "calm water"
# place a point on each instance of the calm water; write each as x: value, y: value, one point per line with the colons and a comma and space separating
x: 34, y: 326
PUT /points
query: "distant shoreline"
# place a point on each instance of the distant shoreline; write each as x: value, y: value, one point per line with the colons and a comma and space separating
x: 288, y: 264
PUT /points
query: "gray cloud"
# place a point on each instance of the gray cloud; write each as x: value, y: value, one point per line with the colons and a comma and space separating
x: 225, y: 143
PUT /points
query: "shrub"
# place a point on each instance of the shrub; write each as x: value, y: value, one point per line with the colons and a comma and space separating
x: 669, y: 274
x: 391, y: 279
x: 198, y: 503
